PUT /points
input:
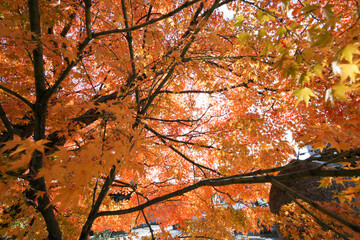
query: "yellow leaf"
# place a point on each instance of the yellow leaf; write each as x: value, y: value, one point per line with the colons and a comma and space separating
x: 349, y: 70
x: 263, y: 16
x: 239, y: 20
x: 262, y: 33
x: 344, y: 197
x: 281, y: 31
x: 243, y: 37
x: 348, y: 51
x: 318, y: 70
x: 339, y: 90
x: 305, y: 78
x: 303, y: 94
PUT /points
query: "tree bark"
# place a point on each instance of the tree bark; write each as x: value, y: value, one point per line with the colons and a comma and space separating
x: 40, y: 111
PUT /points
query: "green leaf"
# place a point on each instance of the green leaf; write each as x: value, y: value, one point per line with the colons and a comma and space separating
x: 303, y: 94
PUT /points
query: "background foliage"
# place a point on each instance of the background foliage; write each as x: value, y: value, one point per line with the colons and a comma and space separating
x: 170, y: 103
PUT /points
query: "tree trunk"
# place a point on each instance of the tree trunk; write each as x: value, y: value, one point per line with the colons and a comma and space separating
x: 40, y: 112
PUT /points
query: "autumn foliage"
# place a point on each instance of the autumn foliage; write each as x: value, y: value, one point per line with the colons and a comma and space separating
x: 171, y: 103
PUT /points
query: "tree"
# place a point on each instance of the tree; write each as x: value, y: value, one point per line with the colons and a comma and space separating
x: 171, y: 102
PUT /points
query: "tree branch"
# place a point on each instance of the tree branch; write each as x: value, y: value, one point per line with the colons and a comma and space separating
x: 38, y: 60
x: 224, y: 181
x: 67, y: 70
x: 179, y: 120
x: 205, y: 91
x: 159, y: 135
x: 182, y: 55
x: 15, y: 94
x: 88, y: 18
x: 318, y: 220
x: 193, y: 162
x: 331, y: 214
x: 95, y: 208
x: 38, y: 185
x: 170, y: 14
x: 157, y: 90
x: 129, y: 38
x: 9, y: 127
x: 205, y: 58
x: 206, y: 17
x: 67, y: 25
x: 149, y: 225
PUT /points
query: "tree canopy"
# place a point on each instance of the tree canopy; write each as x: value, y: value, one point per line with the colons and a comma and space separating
x: 170, y: 103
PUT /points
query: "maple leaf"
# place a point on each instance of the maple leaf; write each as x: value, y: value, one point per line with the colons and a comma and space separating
x: 12, y: 143
x: 323, y: 39
x: 325, y: 182
x: 318, y: 70
x: 239, y: 20
x: 339, y: 90
x: 38, y: 146
x: 305, y: 78
x: 243, y: 37
x: 303, y: 94
x: 66, y: 196
x: 349, y: 71
x: 168, y: 103
x: 348, y: 51
x: 344, y: 197
x: 21, y: 162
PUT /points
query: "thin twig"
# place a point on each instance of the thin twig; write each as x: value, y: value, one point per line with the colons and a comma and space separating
x: 94, y: 194
x: 149, y: 225
x: 170, y: 14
